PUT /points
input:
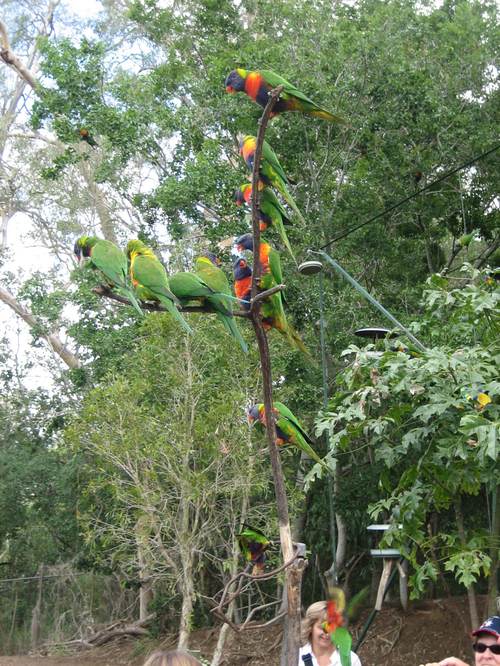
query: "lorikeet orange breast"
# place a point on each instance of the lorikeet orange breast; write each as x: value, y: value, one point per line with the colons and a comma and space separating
x: 242, y: 281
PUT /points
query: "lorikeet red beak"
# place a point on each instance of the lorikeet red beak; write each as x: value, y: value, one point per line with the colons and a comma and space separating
x: 230, y: 89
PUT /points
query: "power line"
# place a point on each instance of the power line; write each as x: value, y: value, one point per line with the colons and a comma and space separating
x: 412, y: 196
x: 26, y: 578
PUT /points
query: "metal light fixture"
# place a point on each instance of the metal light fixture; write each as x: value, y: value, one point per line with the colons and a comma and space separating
x: 310, y: 267
x: 375, y: 333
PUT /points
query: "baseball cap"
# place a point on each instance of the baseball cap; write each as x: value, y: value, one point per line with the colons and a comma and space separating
x: 489, y: 626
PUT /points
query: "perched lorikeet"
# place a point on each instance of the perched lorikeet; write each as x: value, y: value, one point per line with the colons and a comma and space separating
x: 271, y: 212
x: 243, y: 282
x: 107, y: 258
x: 257, y: 84
x: 150, y: 279
x: 271, y: 172
x: 289, y: 430
x: 253, y: 544
x: 269, y: 260
x: 85, y: 135
x: 214, y: 278
x: 271, y: 309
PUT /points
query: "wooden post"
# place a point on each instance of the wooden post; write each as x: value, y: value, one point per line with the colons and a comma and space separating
x: 293, y: 575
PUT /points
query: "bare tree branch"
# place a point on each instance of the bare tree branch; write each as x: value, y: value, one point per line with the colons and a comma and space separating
x: 52, y: 339
x: 10, y: 59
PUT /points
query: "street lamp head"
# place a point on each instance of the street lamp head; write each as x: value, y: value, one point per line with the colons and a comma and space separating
x: 310, y: 267
x: 376, y: 333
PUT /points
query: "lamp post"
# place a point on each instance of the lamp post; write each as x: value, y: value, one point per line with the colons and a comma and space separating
x: 315, y: 268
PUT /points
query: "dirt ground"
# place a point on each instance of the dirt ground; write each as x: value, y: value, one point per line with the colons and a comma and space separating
x: 429, y: 631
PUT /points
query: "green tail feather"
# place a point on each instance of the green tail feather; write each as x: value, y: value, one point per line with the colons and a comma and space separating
x: 284, y: 238
x: 127, y: 293
x: 290, y: 201
x: 232, y: 328
x: 177, y: 315
x: 326, y: 115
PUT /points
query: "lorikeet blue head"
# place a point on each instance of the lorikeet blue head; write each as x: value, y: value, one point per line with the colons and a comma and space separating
x: 243, y: 194
x: 245, y: 242
x: 241, y: 269
x: 235, y: 81
x: 83, y: 246
x: 238, y: 197
x: 213, y: 258
x: 242, y: 281
x: 254, y: 413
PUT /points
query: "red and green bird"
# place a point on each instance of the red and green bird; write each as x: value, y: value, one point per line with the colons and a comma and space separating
x: 271, y: 309
x: 339, y: 635
x: 208, y: 271
x: 149, y: 277
x: 242, y: 282
x: 271, y: 212
x: 257, y: 85
x: 270, y: 261
x: 270, y: 172
x: 111, y: 262
x: 253, y: 545
x: 86, y: 136
x: 289, y: 430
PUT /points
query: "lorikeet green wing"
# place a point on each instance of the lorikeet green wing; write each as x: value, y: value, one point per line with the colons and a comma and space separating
x: 294, y: 432
x: 275, y: 265
x: 270, y: 171
x: 296, y: 100
x: 107, y: 258
x: 215, y: 279
x: 150, y: 280
x: 342, y: 639
x: 271, y: 208
x: 253, y: 543
x: 189, y: 287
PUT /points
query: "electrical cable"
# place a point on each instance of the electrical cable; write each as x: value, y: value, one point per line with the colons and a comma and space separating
x: 412, y: 196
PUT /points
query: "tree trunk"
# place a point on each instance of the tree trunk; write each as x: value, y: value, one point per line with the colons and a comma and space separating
x: 474, y: 616
x: 35, y: 613
x: 495, y: 536
x: 187, y: 588
x: 142, y: 531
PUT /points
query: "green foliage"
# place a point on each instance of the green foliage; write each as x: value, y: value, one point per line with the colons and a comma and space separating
x: 425, y: 417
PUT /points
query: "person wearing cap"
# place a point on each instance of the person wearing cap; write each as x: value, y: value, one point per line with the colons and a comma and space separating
x: 486, y: 646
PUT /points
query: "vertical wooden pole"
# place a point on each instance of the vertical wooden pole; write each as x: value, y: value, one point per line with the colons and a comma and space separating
x: 291, y: 639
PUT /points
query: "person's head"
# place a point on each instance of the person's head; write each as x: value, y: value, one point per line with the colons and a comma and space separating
x: 171, y: 658
x: 311, y: 629
x: 485, y: 640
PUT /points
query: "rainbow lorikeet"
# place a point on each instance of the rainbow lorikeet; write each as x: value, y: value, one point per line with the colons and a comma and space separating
x: 208, y: 271
x: 271, y: 309
x: 339, y: 635
x: 289, y: 430
x: 85, y: 135
x: 270, y: 172
x: 243, y: 282
x: 107, y: 258
x: 269, y: 260
x: 253, y: 544
x: 150, y: 279
x: 271, y: 212
x: 258, y: 84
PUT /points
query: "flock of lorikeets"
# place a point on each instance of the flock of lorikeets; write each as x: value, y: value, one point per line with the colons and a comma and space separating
x: 138, y: 275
